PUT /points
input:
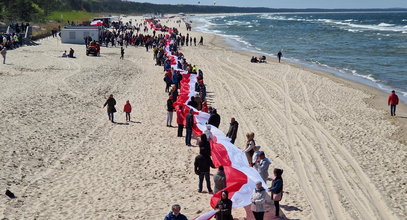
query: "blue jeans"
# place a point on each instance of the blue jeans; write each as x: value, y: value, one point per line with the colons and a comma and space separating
x: 111, y: 116
x: 188, y: 136
x: 208, y: 182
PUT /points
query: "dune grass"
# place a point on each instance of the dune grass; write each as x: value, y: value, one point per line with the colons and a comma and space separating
x: 76, y: 16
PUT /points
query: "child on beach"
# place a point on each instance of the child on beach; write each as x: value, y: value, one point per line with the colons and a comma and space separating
x: 122, y: 53
x: 127, y: 110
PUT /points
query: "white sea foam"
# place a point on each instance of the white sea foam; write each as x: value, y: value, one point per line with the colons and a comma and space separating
x: 345, y: 23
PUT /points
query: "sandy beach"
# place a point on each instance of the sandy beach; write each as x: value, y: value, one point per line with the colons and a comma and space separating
x: 343, y: 156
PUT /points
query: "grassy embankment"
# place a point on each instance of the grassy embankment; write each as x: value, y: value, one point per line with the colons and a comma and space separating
x: 60, y: 18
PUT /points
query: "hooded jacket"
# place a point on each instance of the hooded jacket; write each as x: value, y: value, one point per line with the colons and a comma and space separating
x: 127, y: 107
x: 258, y: 200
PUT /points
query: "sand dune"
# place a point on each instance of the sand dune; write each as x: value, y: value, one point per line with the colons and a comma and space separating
x: 64, y: 160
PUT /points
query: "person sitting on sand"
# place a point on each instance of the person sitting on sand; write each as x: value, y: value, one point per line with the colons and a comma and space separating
x: 262, y: 59
x: 64, y: 54
x: 71, y: 52
x: 175, y: 214
x: 254, y: 59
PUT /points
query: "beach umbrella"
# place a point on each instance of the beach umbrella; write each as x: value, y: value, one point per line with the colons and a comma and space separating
x: 96, y: 23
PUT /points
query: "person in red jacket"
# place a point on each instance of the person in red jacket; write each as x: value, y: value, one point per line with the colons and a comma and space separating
x: 180, y: 121
x: 393, y: 101
x: 127, y: 109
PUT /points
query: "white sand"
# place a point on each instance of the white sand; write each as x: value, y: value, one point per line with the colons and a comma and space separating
x: 64, y: 160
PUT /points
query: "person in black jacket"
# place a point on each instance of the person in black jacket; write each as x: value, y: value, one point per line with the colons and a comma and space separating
x: 202, y: 165
x: 170, y: 110
x: 232, y: 133
x: 224, y: 206
x: 214, y: 119
x: 193, y: 103
x: 276, y: 188
x: 204, y: 145
x: 110, y: 102
x: 189, y: 122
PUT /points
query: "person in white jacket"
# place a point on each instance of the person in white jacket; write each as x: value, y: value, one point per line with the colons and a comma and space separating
x: 258, y: 200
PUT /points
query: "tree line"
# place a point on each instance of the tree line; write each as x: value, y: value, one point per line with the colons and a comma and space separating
x: 37, y: 10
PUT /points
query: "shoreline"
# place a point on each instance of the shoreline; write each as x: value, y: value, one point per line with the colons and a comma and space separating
x: 377, y: 100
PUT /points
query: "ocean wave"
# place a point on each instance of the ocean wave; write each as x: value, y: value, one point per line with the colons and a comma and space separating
x: 343, y: 23
x: 238, y: 23
x: 385, y: 25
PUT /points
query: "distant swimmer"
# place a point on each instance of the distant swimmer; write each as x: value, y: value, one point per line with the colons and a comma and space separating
x: 393, y: 100
x: 279, y: 55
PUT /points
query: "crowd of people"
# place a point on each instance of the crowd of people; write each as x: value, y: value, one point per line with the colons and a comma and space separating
x: 203, y: 161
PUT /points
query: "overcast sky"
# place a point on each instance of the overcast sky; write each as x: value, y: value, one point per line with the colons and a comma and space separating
x: 293, y: 3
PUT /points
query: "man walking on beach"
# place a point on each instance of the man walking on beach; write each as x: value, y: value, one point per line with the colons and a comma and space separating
x: 279, y: 55
x: 189, y: 123
x: 393, y: 100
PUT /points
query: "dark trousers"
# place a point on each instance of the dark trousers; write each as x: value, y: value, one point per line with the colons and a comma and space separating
x: 393, y: 110
x: 127, y: 116
x: 111, y: 116
x: 258, y: 215
x: 180, y: 128
x: 188, y: 136
x: 208, y: 181
x: 233, y: 140
x: 277, y: 205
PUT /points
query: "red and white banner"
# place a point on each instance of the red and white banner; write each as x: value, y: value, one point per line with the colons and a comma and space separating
x: 96, y: 23
x: 240, y: 177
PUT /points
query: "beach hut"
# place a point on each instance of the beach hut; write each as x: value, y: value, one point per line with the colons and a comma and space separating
x: 76, y: 34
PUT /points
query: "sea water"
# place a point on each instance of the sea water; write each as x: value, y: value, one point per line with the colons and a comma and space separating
x: 369, y: 48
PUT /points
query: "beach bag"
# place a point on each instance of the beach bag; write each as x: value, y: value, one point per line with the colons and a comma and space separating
x: 277, y: 196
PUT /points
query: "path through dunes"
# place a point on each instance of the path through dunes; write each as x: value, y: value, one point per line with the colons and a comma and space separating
x: 332, y: 147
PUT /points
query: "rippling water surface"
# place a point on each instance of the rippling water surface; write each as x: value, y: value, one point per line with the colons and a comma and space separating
x: 366, y: 47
